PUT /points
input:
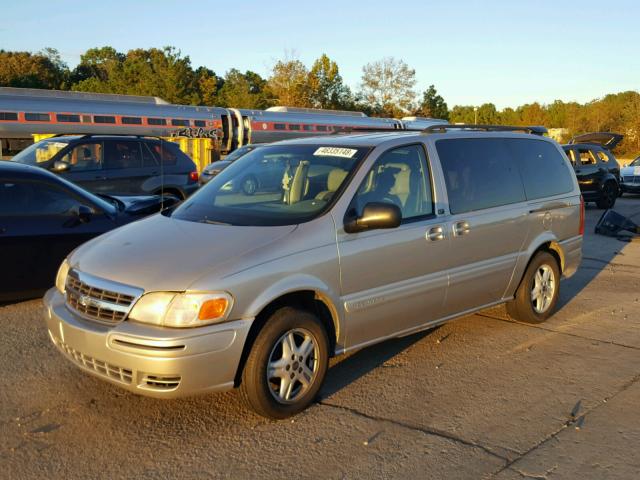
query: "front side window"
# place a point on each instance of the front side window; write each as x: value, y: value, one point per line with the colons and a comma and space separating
x: 85, y: 157
x: 479, y: 174
x: 274, y: 185
x: 399, y: 177
x: 19, y: 198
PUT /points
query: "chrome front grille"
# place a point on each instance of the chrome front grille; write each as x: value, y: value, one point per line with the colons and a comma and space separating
x: 99, y: 300
x: 123, y: 375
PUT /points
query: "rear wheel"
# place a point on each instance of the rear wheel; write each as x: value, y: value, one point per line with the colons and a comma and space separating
x: 608, y: 196
x: 537, y: 295
x: 287, y: 364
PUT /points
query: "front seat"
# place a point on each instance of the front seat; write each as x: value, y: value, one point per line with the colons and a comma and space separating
x: 334, y: 180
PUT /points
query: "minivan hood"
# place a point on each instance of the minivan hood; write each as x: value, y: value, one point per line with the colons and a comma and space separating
x: 163, y: 253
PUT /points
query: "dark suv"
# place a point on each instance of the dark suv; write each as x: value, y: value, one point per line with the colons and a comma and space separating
x: 597, y: 169
x: 116, y: 164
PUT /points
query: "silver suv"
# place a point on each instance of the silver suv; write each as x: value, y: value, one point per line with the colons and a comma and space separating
x: 354, y: 239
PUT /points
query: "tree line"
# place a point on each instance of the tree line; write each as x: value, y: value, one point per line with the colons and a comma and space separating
x: 387, y: 88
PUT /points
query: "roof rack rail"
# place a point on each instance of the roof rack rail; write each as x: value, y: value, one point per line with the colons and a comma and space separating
x: 534, y: 130
x: 89, y: 135
x: 366, y: 130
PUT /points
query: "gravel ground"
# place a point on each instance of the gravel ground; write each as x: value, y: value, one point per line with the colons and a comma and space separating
x: 480, y: 397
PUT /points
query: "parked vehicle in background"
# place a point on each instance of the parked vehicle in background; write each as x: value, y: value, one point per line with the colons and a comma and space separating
x: 116, y: 164
x: 215, y: 168
x: 630, y: 177
x: 362, y: 238
x: 597, y: 169
x: 44, y: 217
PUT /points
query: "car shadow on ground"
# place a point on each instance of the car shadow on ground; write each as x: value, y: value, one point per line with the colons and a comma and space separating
x: 346, y: 370
x: 598, y: 253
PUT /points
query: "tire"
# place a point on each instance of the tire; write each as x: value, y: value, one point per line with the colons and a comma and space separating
x: 249, y: 185
x: 524, y: 307
x: 268, y: 395
x: 608, y: 196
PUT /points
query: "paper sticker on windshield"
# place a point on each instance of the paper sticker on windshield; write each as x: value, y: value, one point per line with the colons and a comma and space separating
x: 335, y: 152
x: 636, y: 171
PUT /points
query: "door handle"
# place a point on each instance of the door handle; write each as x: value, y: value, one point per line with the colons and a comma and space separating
x: 435, y: 233
x: 461, y: 228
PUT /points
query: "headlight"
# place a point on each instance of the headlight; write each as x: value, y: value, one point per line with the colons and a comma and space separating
x: 182, y: 310
x: 61, y: 277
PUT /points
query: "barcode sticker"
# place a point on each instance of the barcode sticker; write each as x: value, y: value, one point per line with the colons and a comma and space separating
x: 335, y: 152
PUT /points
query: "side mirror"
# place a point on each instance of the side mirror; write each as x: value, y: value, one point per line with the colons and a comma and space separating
x: 375, y: 215
x: 83, y: 213
x: 59, y: 166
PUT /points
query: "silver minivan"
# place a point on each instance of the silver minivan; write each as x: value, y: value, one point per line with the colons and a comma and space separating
x: 362, y: 238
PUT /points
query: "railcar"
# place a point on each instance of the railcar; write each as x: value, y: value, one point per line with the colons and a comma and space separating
x: 25, y: 112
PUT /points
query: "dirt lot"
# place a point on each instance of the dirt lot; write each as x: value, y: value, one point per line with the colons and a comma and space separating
x: 481, y: 397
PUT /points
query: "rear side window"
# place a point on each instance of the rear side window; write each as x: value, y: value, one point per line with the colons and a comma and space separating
x: 479, y: 174
x: 166, y: 152
x: 544, y: 170
x: 123, y: 155
x: 587, y: 157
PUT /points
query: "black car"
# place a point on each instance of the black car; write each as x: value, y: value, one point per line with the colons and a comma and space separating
x: 116, y: 164
x: 215, y: 168
x: 597, y: 169
x: 44, y: 217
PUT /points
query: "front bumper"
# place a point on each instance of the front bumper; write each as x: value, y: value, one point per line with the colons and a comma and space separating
x: 630, y: 187
x: 153, y: 361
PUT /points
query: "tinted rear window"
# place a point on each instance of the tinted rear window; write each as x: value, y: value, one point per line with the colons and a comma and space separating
x: 544, y: 170
x: 479, y: 173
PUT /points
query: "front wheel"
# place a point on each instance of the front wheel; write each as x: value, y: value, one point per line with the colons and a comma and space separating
x: 538, y: 293
x: 287, y: 364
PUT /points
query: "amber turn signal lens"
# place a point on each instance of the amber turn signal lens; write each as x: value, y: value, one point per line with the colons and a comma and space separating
x: 212, y: 309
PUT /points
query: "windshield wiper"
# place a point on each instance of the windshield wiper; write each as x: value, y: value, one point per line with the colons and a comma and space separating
x: 213, y: 222
x: 113, y: 201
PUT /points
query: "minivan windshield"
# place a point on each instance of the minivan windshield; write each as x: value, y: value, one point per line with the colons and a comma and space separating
x: 274, y: 185
x: 635, y: 163
x: 42, y: 151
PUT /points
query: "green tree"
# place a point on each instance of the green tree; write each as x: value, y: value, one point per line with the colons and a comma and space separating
x: 243, y: 90
x: 326, y: 88
x: 37, y: 70
x: 289, y: 83
x: 387, y: 86
x: 433, y: 105
x: 157, y: 72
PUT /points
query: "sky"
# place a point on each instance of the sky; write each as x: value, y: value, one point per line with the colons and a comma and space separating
x: 505, y: 52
